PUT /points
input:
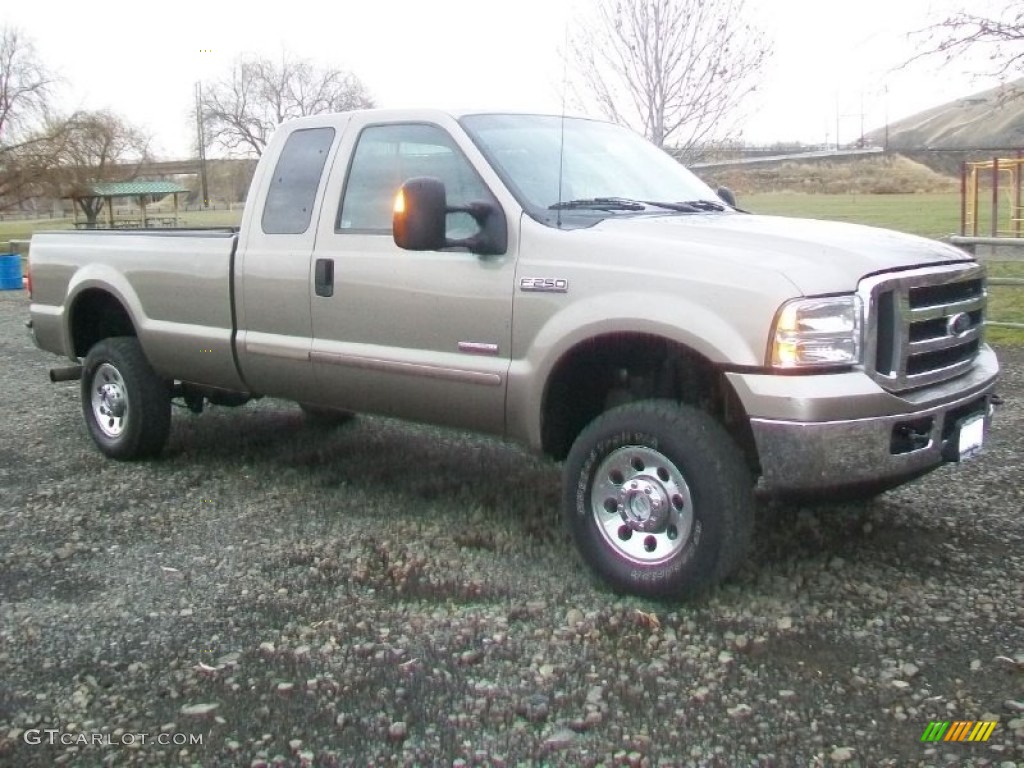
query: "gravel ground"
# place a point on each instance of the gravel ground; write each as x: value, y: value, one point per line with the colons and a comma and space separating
x: 383, y: 594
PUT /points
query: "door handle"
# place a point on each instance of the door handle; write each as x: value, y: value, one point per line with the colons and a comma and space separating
x: 324, y: 277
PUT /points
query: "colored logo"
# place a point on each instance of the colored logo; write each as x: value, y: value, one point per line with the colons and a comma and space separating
x: 959, y: 730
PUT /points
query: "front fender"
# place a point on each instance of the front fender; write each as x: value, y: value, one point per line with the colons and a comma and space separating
x: 678, y: 320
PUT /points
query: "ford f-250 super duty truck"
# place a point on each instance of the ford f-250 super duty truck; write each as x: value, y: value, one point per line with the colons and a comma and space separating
x: 558, y: 282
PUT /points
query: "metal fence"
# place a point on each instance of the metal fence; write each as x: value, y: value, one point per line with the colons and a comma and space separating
x: 118, y: 211
x: 985, y: 249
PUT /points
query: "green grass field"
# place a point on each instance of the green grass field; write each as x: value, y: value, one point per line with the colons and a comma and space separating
x: 930, y: 215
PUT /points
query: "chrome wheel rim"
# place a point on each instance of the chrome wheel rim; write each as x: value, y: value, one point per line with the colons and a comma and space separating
x: 109, y: 400
x: 642, y: 505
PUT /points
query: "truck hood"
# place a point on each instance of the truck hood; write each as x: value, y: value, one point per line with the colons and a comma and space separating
x: 817, y: 256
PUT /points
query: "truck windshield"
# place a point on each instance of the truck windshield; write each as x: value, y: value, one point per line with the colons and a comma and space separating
x: 605, y: 169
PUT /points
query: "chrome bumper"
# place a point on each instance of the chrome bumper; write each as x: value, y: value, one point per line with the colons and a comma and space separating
x: 815, y: 456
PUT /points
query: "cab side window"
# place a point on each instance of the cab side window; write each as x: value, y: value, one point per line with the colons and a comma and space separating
x: 386, y: 156
x: 292, y: 192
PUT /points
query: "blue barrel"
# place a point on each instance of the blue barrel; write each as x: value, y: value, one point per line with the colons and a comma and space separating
x: 10, y: 272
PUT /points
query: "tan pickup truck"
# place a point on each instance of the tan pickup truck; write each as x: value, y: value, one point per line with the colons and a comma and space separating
x: 558, y: 282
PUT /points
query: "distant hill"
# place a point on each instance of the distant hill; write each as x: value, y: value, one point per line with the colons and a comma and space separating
x: 989, y: 120
x: 890, y: 173
x: 925, y: 151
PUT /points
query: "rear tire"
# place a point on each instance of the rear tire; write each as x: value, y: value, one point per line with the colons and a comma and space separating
x: 127, y: 407
x: 658, y: 499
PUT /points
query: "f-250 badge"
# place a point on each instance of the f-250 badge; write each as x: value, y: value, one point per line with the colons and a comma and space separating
x: 544, y: 284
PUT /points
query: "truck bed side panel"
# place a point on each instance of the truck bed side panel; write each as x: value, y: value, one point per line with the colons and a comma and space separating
x: 174, y: 285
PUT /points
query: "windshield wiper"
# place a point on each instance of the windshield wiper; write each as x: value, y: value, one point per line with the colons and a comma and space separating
x: 600, y: 204
x: 688, y: 206
x: 626, y: 204
x: 697, y: 205
x: 683, y: 207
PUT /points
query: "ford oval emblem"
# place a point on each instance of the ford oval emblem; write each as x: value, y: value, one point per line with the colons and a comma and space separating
x: 958, y: 324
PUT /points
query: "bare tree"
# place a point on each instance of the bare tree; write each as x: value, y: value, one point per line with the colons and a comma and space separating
x: 674, y: 70
x: 96, y: 147
x: 242, y: 110
x: 25, y: 85
x: 26, y: 133
x: 999, y: 40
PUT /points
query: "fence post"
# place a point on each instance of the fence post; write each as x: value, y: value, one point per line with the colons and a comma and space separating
x: 963, y: 198
x: 974, y: 195
x: 995, y: 197
x: 1016, y: 195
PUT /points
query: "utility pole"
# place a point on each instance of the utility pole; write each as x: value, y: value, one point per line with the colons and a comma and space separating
x: 862, y: 119
x: 201, y: 142
x: 887, y: 117
x: 837, y: 121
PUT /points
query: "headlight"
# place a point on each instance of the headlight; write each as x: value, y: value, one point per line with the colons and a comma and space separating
x: 817, y: 333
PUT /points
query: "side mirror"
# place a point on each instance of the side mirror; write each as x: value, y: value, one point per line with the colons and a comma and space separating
x: 727, y: 196
x: 419, y: 215
x: 419, y: 220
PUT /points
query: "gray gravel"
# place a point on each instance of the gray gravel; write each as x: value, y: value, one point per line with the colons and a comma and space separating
x: 383, y: 594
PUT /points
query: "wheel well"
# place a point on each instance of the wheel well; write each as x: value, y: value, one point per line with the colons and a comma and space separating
x: 97, y: 315
x: 607, y: 371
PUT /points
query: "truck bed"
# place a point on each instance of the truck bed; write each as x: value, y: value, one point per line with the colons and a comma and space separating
x: 175, y: 283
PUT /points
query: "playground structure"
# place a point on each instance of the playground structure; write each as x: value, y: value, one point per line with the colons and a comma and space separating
x: 1002, y: 177
x: 1001, y: 227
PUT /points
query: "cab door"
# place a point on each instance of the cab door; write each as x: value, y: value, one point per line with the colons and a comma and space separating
x: 419, y: 335
x: 273, y: 273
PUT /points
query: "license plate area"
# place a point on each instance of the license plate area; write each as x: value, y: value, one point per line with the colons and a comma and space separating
x: 970, y: 437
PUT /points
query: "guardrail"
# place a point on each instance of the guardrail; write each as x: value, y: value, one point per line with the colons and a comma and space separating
x: 1015, y: 252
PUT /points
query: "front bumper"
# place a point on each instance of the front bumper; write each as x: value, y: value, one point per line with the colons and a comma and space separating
x: 910, y: 435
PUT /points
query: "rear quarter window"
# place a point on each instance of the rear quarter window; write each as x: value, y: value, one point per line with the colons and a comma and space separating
x: 288, y: 209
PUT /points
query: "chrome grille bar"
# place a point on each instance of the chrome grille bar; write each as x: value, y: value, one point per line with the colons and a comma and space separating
x: 943, y: 342
x: 924, y: 325
x: 944, y: 310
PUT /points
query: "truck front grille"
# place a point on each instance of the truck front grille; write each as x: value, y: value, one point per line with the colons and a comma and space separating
x: 923, y: 326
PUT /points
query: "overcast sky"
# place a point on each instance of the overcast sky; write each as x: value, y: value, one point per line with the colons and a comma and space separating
x: 833, y: 61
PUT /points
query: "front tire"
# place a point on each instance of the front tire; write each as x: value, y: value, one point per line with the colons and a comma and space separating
x: 127, y: 407
x: 658, y: 499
